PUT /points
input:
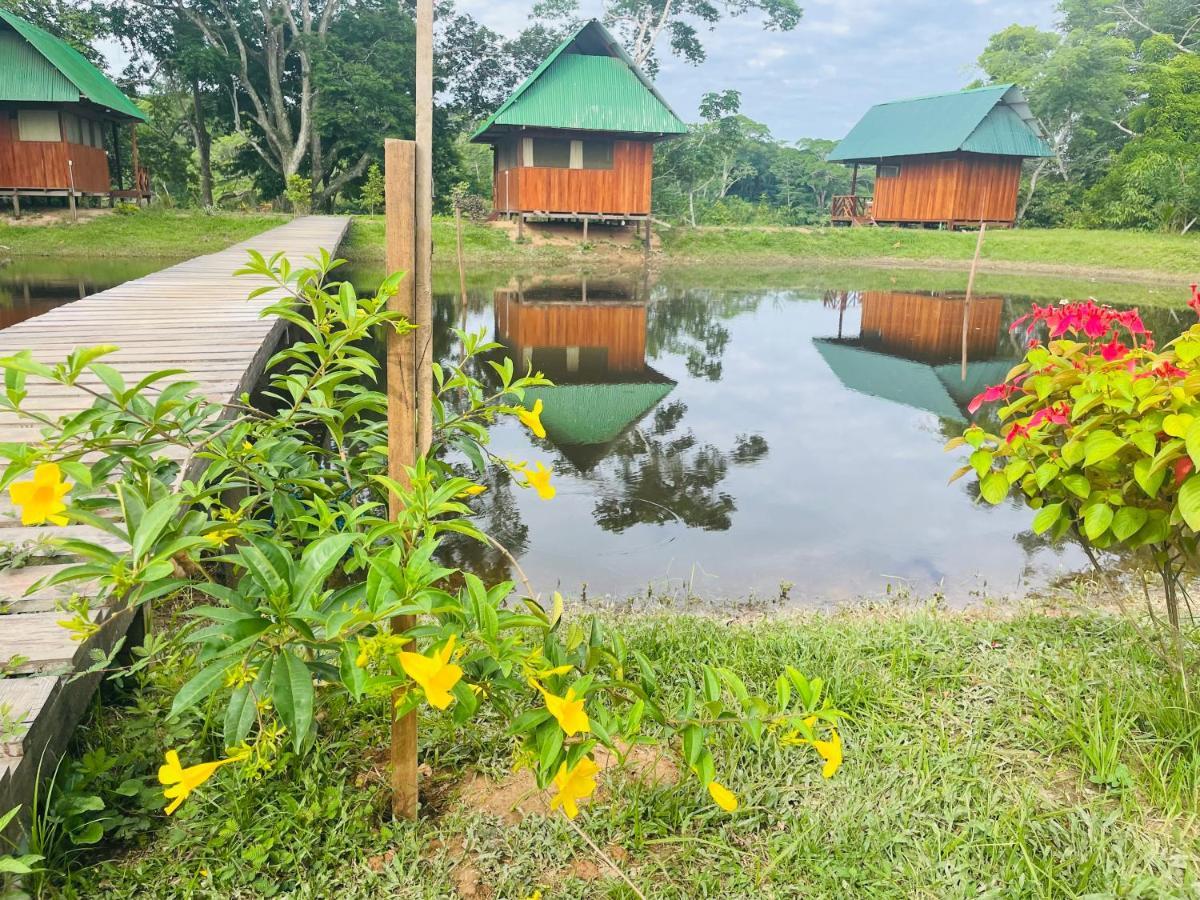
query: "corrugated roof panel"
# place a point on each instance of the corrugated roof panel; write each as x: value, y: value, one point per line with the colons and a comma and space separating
x: 89, y: 81
x: 943, y: 123
x: 573, y: 84
x: 26, y: 75
x: 590, y: 93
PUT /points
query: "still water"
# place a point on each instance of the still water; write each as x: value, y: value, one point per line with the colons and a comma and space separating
x: 726, y: 443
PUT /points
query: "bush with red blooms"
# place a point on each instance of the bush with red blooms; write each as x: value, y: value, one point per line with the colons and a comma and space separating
x: 1100, y: 433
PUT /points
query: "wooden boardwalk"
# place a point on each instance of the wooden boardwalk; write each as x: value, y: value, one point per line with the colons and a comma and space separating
x: 191, y: 316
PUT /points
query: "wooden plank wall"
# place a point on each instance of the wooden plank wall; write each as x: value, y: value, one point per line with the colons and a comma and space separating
x: 622, y: 190
x: 619, y: 327
x: 925, y: 327
x: 42, y: 165
x: 192, y: 316
x: 961, y: 188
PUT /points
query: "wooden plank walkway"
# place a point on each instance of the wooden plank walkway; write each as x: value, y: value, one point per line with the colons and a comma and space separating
x: 192, y: 316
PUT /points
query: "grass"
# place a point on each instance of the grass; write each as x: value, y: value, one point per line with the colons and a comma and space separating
x: 1029, y: 754
x: 152, y: 232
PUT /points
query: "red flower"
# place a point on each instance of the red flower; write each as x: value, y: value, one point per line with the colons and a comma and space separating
x: 1055, y: 415
x: 1088, y: 318
x: 1113, y: 350
x: 991, y: 395
x: 1183, y: 468
x: 1194, y: 303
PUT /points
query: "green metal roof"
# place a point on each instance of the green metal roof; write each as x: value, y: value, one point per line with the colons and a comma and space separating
x: 936, y: 389
x: 48, y: 70
x: 994, y: 119
x: 587, y: 84
x: 583, y: 420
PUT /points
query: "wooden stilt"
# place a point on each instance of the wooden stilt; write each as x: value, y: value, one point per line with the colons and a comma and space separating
x: 585, y: 224
x: 423, y: 267
x: 520, y: 226
x: 16, y: 205
x: 400, y: 250
x: 646, y: 249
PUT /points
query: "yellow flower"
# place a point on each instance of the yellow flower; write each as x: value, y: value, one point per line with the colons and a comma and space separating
x: 473, y: 491
x: 831, y: 752
x: 722, y: 796
x: 568, y: 710
x: 538, y: 478
x: 184, y: 781
x: 532, y: 419
x: 40, y: 498
x: 574, y: 786
x: 435, y: 674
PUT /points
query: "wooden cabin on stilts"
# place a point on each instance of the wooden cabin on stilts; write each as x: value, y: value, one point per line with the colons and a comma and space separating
x: 949, y: 160
x: 575, y: 141
x: 60, y: 117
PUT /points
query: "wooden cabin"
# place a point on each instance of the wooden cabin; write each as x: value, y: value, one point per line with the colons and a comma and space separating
x: 949, y: 160
x: 58, y: 116
x: 576, y: 138
x: 588, y: 337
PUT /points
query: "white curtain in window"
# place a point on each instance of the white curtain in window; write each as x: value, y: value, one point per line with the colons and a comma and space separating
x: 38, y: 125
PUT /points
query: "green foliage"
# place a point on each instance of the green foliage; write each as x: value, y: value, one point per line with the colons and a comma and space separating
x: 371, y: 195
x: 305, y: 549
x: 299, y: 194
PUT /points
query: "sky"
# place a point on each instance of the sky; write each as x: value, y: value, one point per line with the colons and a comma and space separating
x: 843, y: 57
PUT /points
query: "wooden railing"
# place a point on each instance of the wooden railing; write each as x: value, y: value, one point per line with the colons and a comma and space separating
x: 848, y: 208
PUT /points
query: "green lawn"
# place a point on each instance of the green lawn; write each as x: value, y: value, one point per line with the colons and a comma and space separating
x: 153, y: 232
x: 1035, y: 754
x: 1102, y: 250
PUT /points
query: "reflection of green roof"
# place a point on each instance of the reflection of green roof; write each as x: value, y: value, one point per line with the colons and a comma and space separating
x: 994, y: 119
x: 582, y: 420
x: 588, y: 83
x: 936, y: 389
x: 45, y: 69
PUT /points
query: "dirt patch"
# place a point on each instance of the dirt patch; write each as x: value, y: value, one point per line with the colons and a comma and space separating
x: 516, y: 797
x: 601, y: 236
x: 43, y: 217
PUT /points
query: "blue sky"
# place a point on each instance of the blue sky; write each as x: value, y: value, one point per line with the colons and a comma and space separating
x: 844, y: 56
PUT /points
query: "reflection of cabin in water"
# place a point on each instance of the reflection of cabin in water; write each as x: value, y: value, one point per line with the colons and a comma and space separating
x: 576, y: 138
x: 951, y: 159
x: 57, y: 114
x: 589, y: 338
x: 909, y: 350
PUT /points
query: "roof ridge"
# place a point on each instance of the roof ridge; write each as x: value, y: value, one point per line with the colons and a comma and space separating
x: 978, y: 90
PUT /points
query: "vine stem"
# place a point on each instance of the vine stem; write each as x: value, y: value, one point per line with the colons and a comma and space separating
x: 606, y: 858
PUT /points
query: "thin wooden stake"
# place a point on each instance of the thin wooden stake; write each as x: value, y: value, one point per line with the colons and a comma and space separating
x: 967, y: 302
x: 423, y: 268
x: 71, y: 190
x: 462, y: 266
x: 400, y: 196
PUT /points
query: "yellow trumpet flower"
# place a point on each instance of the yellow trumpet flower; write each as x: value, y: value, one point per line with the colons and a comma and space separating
x: 183, y: 781
x: 40, y: 498
x: 574, y: 785
x: 532, y: 419
x: 435, y: 674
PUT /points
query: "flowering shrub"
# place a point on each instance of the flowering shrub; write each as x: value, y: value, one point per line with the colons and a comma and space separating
x: 1101, y: 435
x: 284, y: 532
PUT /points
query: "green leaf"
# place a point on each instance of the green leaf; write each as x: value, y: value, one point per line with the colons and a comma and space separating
x: 1099, y: 446
x: 981, y: 462
x: 292, y: 694
x: 693, y: 743
x: 1128, y: 521
x: 1072, y: 453
x: 199, y: 687
x: 1178, y: 424
x: 1192, y: 442
x: 1148, y: 478
x: 1189, y: 502
x: 316, y: 564
x: 1047, y: 517
x: 1096, y: 519
x: 1078, y: 485
x: 994, y: 488
x: 1045, y: 474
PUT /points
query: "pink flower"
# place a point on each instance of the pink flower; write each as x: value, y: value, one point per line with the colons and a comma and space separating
x: 1194, y: 303
x: 1113, y: 350
x: 1089, y: 318
x: 1059, y: 414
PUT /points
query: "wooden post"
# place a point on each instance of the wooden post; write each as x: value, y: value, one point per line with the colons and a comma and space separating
x: 646, y: 249
x: 116, y: 139
x: 71, y: 190
x: 854, y: 182
x: 462, y: 267
x: 520, y: 226
x: 967, y: 301
x: 16, y: 205
x: 585, y: 224
x: 400, y: 251
x: 134, y: 165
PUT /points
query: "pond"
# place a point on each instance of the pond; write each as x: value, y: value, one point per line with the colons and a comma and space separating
x: 780, y: 444
x: 727, y: 443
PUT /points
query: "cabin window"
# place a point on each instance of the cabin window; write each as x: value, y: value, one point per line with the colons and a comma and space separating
x: 548, y: 153
x: 73, y: 128
x: 596, y: 155
x: 38, y: 125
x: 887, y: 172
x: 506, y: 155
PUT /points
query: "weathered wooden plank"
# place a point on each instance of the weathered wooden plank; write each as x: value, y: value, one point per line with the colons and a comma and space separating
x: 21, y: 700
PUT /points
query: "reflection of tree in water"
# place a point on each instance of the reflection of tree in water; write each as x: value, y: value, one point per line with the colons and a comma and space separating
x: 497, y: 514
x: 688, y: 324
x: 660, y: 476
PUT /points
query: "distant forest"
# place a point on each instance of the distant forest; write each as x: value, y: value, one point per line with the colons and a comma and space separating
x: 245, y: 97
